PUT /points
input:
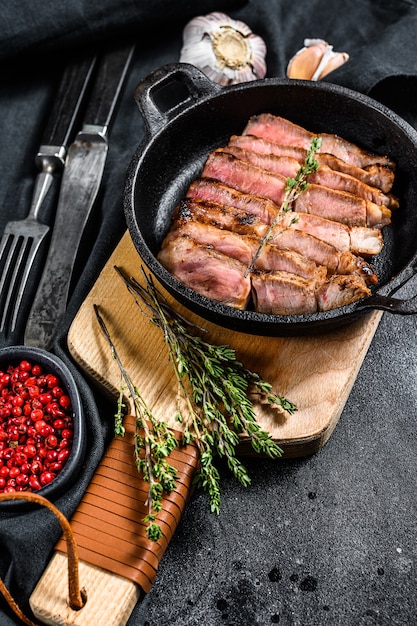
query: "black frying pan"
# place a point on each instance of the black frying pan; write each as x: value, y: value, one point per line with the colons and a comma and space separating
x: 186, y: 116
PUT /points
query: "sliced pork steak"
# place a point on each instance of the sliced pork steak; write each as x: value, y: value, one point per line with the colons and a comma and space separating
x: 363, y: 241
x: 374, y: 175
x: 244, y: 247
x: 214, y: 191
x: 283, y: 131
x: 207, y: 271
x: 288, y: 166
x: 313, y: 259
x: 279, y: 293
x: 329, y: 203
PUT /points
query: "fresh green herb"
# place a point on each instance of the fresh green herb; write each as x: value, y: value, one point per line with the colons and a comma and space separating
x: 154, y: 442
x: 214, y: 389
x: 294, y: 187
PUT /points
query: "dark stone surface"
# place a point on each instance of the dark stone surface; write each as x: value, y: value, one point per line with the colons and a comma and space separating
x: 323, y: 541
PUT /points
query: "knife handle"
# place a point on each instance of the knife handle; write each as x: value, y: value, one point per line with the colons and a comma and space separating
x: 66, y: 112
x: 111, y: 74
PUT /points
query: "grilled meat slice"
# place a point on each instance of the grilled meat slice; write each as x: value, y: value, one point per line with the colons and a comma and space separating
x: 288, y: 166
x: 214, y: 191
x: 359, y: 240
x: 282, y: 131
x: 341, y: 290
x: 374, y: 175
x: 280, y: 293
x: 284, y: 165
x: 329, y: 203
x: 323, y: 253
x: 207, y: 271
x: 327, y: 177
x: 244, y: 247
x: 213, y: 225
x: 343, y: 207
x: 244, y: 177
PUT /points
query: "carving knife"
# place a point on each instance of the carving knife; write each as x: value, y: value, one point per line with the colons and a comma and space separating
x: 79, y: 187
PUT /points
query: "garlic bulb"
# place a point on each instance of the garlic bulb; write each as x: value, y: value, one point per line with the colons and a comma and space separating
x: 315, y: 60
x: 224, y: 49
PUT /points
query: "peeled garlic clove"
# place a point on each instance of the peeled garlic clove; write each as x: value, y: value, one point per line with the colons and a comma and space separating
x: 224, y: 49
x: 315, y: 60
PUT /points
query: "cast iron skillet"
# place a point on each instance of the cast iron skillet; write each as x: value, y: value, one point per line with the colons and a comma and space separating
x: 204, y: 115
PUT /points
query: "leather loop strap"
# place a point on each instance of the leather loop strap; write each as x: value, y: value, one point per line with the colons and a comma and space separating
x: 77, y: 596
x: 108, y: 522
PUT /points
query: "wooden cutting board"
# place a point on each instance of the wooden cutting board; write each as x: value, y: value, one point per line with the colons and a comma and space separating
x: 316, y: 373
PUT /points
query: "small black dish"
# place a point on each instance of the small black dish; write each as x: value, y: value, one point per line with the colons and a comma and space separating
x: 13, y: 355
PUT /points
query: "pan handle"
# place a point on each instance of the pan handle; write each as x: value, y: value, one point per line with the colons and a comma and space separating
x: 383, y: 299
x: 175, y: 76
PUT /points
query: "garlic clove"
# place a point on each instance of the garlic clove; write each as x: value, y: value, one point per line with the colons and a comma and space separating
x: 224, y: 49
x: 315, y: 60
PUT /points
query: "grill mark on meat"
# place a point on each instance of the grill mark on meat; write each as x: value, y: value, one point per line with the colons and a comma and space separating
x: 215, y: 191
x: 329, y: 203
x: 374, y: 175
x: 207, y: 271
x: 220, y: 215
x: 280, y: 293
x: 283, y: 131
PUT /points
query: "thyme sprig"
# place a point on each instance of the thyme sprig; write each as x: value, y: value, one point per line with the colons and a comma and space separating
x: 153, y: 442
x: 214, y: 388
x: 294, y: 187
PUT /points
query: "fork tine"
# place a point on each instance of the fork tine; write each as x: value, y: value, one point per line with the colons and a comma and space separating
x: 30, y: 254
x: 9, y: 254
x: 10, y: 273
x: 15, y: 275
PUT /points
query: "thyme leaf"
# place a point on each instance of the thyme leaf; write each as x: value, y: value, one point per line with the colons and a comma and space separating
x: 214, y: 388
x: 294, y: 187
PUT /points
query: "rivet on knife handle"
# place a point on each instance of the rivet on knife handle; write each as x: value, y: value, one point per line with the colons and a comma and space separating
x: 80, y: 184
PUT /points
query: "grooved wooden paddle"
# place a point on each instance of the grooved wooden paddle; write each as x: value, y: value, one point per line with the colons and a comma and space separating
x: 316, y: 373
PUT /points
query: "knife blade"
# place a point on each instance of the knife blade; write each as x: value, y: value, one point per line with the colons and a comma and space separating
x: 80, y: 184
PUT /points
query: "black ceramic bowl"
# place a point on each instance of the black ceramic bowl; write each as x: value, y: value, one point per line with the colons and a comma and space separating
x: 180, y: 136
x: 50, y: 363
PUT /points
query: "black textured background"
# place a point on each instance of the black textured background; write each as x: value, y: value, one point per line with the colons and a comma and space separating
x: 320, y: 541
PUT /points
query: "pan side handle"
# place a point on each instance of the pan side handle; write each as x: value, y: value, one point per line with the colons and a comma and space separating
x: 171, y: 75
x: 383, y: 299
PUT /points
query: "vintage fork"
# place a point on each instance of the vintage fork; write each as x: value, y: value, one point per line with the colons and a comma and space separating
x: 22, y: 239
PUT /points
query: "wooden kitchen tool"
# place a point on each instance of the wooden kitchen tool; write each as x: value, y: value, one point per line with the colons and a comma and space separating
x: 315, y: 372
